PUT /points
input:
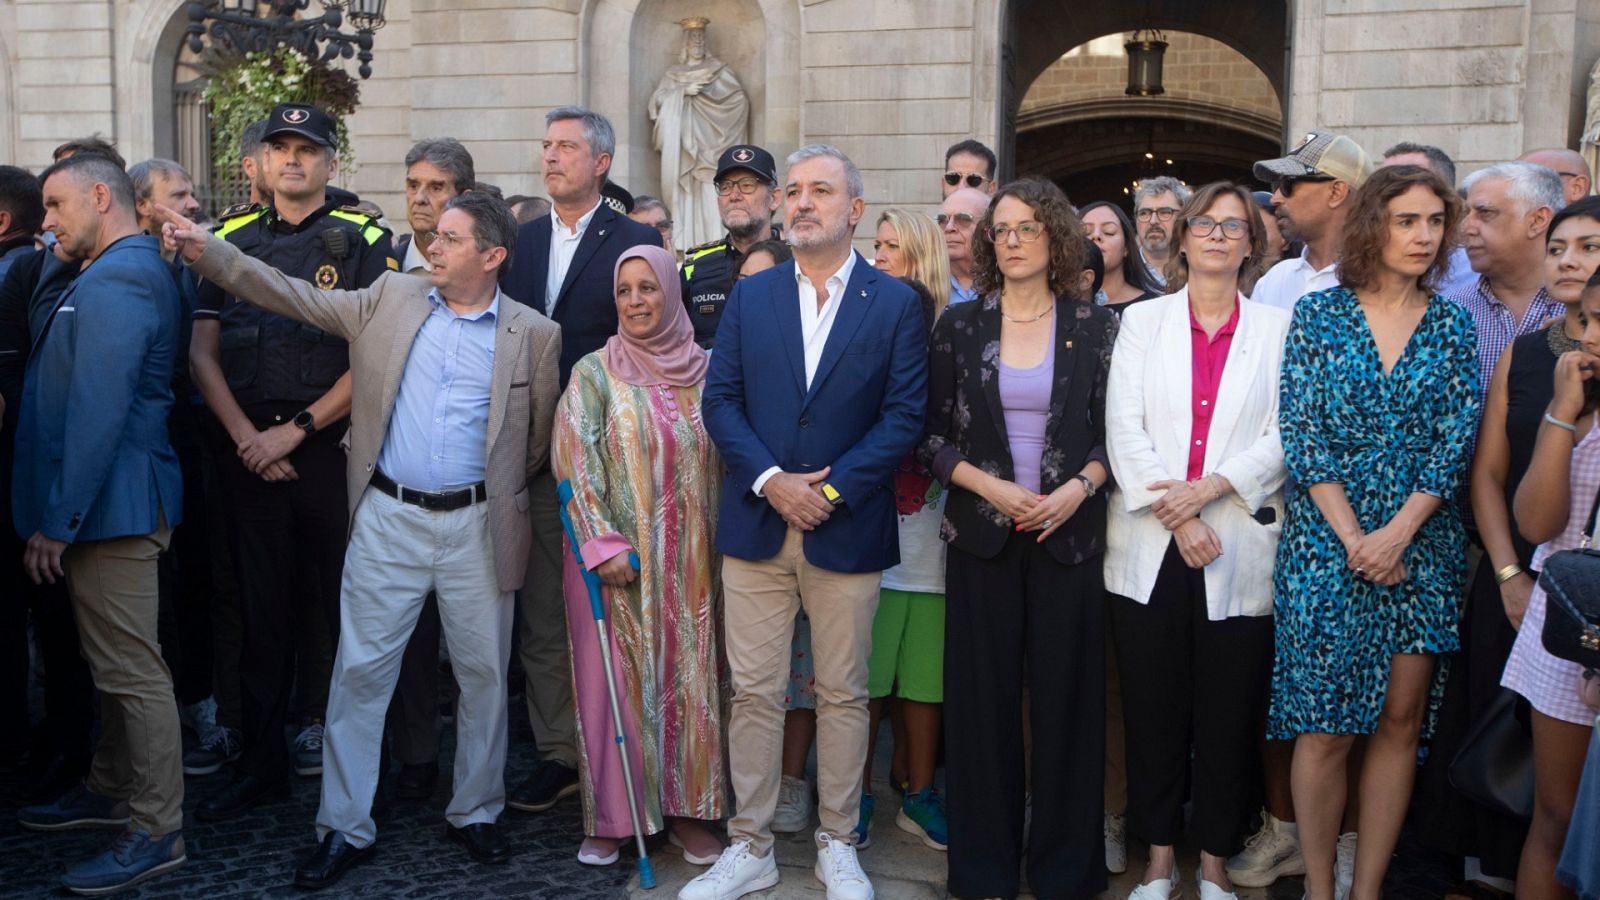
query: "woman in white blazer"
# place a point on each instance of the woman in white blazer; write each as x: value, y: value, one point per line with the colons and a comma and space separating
x: 1192, y: 432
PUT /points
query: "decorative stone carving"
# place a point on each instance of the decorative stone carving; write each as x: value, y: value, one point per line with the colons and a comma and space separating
x: 699, y: 110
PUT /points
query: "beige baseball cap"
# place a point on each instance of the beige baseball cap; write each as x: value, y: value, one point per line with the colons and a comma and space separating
x: 1319, y: 154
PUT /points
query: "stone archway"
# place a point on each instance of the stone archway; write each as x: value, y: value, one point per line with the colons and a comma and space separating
x: 760, y: 39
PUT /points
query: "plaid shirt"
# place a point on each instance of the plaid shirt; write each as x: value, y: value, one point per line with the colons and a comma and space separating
x: 1498, y: 325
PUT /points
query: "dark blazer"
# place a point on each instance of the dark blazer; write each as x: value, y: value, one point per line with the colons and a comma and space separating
x: 586, y: 308
x: 93, y: 458
x: 861, y: 416
x: 966, y: 422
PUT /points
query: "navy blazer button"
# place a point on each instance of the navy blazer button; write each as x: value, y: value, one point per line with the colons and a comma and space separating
x: 805, y: 423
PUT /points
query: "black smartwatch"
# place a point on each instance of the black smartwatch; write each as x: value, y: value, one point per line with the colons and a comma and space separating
x: 304, y: 421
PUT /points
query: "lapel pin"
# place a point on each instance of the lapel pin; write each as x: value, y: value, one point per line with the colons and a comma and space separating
x: 602, y: 232
x: 1069, y: 345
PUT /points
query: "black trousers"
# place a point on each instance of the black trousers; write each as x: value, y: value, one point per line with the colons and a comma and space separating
x: 184, y: 574
x: 413, y: 719
x: 217, y: 462
x: 1022, y: 616
x: 288, y: 537
x: 69, y: 696
x: 1187, y: 680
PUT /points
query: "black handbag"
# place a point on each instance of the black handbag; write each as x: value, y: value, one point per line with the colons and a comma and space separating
x: 1571, y: 582
x: 1494, y: 766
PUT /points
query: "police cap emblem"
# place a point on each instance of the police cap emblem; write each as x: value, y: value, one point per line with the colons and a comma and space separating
x: 295, y: 116
x: 743, y: 154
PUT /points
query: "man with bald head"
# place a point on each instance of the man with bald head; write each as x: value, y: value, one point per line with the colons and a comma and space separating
x: 958, y: 218
x: 1574, y: 172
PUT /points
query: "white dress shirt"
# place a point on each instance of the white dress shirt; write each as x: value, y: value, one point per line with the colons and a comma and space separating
x: 815, y: 326
x: 415, y: 259
x: 563, y: 246
x: 1289, y: 280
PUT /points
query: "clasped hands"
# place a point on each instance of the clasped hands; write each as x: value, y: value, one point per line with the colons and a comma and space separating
x: 797, y: 496
x: 1378, y: 557
x: 266, y: 453
x: 1178, y: 510
x: 1029, y: 511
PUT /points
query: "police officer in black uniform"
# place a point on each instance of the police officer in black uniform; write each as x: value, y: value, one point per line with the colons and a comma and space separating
x: 280, y: 391
x: 747, y: 196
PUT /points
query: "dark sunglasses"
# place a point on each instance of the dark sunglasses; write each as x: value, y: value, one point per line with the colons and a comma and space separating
x: 1286, y: 185
x: 973, y: 179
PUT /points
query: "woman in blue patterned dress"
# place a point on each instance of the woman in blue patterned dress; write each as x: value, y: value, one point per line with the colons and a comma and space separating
x: 1379, y: 401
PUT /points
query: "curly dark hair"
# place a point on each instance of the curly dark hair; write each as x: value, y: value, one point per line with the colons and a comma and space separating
x: 1063, y: 229
x: 1366, y: 226
x: 1201, y: 200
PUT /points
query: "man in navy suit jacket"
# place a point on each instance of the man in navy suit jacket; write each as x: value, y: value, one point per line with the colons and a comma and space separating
x: 96, y: 492
x: 815, y: 393
x: 564, y: 272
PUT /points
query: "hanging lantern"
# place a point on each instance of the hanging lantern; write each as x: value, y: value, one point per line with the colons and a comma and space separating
x: 1145, y: 50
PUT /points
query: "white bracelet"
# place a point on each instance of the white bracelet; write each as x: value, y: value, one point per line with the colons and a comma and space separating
x: 1560, y: 424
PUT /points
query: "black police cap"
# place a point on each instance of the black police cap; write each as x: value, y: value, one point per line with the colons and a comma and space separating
x: 747, y: 156
x: 307, y: 121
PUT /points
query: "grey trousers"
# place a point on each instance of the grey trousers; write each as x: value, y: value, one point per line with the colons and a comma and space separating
x: 546, y: 661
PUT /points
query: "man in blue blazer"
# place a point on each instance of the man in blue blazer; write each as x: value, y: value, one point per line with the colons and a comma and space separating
x: 96, y: 492
x: 816, y: 392
x: 563, y: 267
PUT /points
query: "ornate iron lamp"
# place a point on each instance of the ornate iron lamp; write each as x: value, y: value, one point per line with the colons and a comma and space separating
x: 1145, y: 50
x: 238, y: 24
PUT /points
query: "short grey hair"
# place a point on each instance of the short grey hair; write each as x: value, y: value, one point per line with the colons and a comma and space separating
x: 645, y: 201
x: 143, y: 176
x: 492, y: 223
x: 1528, y: 184
x: 597, y: 130
x: 1438, y: 160
x: 449, y: 155
x: 1162, y: 184
x: 852, y: 176
x: 253, y: 136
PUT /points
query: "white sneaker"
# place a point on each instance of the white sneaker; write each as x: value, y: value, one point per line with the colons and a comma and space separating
x: 839, y: 870
x: 1160, y: 889
x: 736, y: 873
x: 1269, y: 854
x: 1210, y: 890
x: 1344, y: 865
x: 793, y: 814
x: 1116, y: 844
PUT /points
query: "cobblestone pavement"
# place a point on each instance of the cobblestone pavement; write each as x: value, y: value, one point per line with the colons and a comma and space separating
x: 256, y: 856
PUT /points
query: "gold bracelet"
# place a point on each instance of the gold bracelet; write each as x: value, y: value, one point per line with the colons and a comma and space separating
x: 1507, y: 573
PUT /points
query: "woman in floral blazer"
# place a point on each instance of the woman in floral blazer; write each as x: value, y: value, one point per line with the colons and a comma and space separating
x: 1016, y: 433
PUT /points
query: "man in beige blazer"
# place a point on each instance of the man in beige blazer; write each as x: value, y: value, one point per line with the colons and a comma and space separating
x: 455, y: 386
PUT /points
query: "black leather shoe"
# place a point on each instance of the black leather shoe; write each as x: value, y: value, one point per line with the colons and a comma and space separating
x: 327, y: 864
x: 241, y: 795
x: 483, y: 841
x: 541, y: 790
x: 415, y: 782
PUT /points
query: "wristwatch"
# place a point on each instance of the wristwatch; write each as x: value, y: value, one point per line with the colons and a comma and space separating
x: 830, y: 494
x: 1088, y: 486
x: 304, y: 421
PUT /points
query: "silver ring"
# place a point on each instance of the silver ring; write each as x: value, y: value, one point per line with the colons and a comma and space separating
x: 1361, y: 572
x: 1046, y: 523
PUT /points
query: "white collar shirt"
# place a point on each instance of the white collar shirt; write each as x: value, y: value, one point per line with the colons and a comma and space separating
x: 415, y: 259
x: 1289, y: 280
x: 816, y: 324
x: 563, y: 247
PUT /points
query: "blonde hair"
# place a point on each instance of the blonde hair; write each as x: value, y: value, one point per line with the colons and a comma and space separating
x: 923, y: 245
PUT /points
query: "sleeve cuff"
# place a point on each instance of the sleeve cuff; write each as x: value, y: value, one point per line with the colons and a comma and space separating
x: 761, y: 480
x: 1244, y: 483
x: 945, y: 462
x: 603, y: 548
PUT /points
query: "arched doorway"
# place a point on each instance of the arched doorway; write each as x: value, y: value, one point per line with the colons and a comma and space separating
x: 1096, y: 142
x: 1077, y: 127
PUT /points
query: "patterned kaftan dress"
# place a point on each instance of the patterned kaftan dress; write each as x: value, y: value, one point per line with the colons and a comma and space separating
x: 645, y: 476
x: 1383, y: 437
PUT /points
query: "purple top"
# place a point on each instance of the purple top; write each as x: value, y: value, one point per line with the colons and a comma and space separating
x: 1025, y: 399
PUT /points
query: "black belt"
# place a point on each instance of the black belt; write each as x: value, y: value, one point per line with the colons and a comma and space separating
x: 444, y: 501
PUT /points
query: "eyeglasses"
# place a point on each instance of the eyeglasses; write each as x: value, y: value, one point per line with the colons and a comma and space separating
x: 1286, y: 185
x: 448, y: 239
x: 973, y: 179
x: 1026, y: 233
x: 746, y: 186
x: 1232, y: 229
x: 964, y: 220
x: 1163, y: 213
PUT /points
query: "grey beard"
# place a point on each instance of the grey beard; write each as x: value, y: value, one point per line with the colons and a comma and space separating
x: 754, y: 230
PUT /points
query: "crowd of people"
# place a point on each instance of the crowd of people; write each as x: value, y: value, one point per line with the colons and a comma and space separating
x: 1131, y: 522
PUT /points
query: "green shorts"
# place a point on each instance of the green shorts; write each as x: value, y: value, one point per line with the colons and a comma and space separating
x: 907, y: 647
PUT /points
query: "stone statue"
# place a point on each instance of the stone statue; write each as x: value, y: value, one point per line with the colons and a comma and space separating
x: 1589, y: 143
x: 699, y: 110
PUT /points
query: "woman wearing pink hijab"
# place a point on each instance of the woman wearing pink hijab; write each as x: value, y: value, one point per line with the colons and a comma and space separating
x: 644, y: 474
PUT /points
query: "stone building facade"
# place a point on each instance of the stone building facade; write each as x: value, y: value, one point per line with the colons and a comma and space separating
x: 892, y: 82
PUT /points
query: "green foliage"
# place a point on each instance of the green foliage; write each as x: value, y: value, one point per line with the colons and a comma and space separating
x: 243, y: 88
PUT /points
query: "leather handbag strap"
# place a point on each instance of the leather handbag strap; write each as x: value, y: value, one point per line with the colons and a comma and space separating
x: 1588, y: 524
